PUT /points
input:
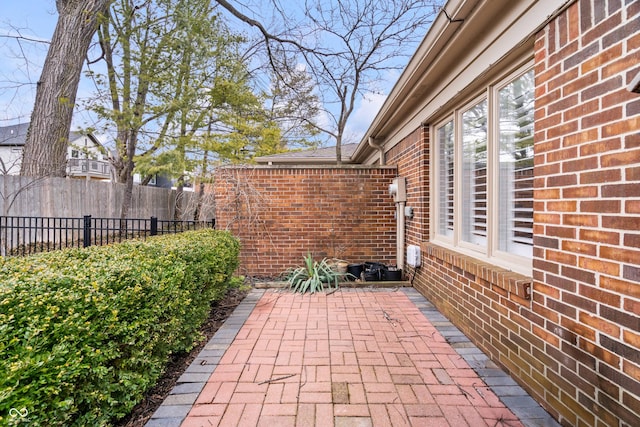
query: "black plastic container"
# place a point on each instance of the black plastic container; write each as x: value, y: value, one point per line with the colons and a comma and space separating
x: 354, y: 271
x: 374, y: 271
x: 393, y: 275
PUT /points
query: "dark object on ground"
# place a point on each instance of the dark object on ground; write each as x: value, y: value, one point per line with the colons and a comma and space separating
x: 374, y: 271
x: 180, y: 362
x: 393, y: 275
x: 354, y: 271
x: 377, y: 271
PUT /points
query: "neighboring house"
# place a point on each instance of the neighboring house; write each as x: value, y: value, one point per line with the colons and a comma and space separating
x: 516, y: 127
x: 85, y: 158
x: 157, y: 180
x: 317, y: 156
x: 11, y: 145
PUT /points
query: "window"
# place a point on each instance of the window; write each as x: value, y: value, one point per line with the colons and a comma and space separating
x: 75, y: 154
x: 474, y: 175
x: 483, y: 175
x: 445, y: 168
x: 515, y: 157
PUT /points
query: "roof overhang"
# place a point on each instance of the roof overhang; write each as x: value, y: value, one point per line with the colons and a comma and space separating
x: 315, y: 156
x: 276, y: 161
x: 460, y: 46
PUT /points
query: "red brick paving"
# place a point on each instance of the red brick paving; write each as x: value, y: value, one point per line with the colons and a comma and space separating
x: 344, y: 359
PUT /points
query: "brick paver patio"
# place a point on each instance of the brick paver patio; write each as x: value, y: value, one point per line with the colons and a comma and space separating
x: 349, y: 358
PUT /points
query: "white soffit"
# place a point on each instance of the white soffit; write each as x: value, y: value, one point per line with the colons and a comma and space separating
x: 492, y: 30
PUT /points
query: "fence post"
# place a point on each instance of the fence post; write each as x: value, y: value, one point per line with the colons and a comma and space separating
x: 86, y: 239
x: 154, y: 226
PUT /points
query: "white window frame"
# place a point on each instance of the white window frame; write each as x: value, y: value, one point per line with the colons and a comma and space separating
x: 458, y: 205
x: 489, y: 253
x: 507, y: 256
x: 436, y: 184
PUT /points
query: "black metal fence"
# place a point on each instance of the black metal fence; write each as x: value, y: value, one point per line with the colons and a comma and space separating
x: 21, y: 235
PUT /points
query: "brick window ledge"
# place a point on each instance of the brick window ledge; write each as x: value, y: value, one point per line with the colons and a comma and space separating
x: 509, y: 281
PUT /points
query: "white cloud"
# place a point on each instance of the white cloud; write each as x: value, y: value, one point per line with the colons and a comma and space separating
x: 363, y: 116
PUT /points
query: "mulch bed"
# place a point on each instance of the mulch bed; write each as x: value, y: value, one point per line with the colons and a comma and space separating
x: 220, y: 311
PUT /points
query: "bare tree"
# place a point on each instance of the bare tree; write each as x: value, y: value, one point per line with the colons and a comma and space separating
x: 346, y: 46
x: 46, y: 145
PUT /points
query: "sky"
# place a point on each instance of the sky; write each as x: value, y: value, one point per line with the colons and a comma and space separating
x: 21, y: 64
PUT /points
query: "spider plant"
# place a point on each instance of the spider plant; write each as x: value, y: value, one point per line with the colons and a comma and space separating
x: 313, y: 276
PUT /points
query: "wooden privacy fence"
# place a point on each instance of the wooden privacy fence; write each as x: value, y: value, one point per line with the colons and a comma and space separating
x: 64, y: 197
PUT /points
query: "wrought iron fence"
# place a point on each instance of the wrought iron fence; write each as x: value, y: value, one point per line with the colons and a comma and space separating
x: 21, y: 235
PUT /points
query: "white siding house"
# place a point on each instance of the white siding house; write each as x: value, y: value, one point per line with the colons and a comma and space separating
x: 85, y: 155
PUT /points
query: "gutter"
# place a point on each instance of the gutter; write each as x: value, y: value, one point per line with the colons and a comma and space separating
x: 444, y: 27
x: 378, y: 146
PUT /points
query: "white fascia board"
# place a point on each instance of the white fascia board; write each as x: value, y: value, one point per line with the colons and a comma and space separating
x: 451, y: 65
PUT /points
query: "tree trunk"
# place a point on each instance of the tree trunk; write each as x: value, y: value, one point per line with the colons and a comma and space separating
x: 339, y: 146
x: 45, y: 151
x: 126, y: 199
x: 200, y: 194
x: 179, y: 212
x: 127, y: 174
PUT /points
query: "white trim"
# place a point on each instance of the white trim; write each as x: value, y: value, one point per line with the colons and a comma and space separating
x: 489, y: 253
x: 459, y: 209
x: 452, y: 58
x: 435, y: 179
x: 494, y: 91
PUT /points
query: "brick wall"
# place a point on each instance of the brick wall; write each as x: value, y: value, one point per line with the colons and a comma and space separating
x: 412, y: 159
x: 575, y: 344
x: 280, y: 214
x: 587, y: 222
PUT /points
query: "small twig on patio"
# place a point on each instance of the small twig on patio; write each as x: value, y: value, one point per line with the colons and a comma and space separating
x: 464, y: 392
x: 400, y: 413
x: 333, y: 291
x: 410, y: 336
x: 270, y: 300
x: 271, y: 380
x: 304, y: 371
x: 504, y: 422
x: 389, y: 318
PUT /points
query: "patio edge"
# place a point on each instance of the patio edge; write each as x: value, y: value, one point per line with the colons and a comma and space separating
x: 514, y: 397
x: 178, y: 403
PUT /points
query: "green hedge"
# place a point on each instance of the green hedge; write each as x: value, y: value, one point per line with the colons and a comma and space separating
x: 85, y: 332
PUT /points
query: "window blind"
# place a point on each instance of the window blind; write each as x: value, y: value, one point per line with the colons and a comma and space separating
x: 474, y: 171
x: 516, y: 166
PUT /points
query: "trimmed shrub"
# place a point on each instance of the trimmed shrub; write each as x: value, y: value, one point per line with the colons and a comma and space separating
x: 85, y: 332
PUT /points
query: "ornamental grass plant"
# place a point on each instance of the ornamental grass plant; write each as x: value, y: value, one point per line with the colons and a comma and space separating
x: 313, y: 276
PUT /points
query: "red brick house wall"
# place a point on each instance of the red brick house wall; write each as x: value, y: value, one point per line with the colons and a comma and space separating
x: 587, y: 255
x: 571, y: 333
x: 281, y: 213
x: 412, y: 159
